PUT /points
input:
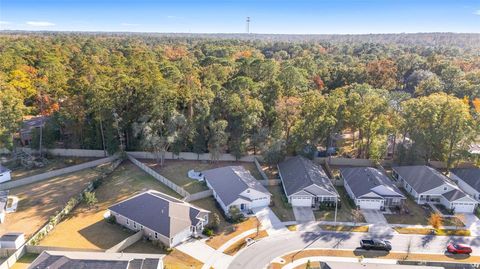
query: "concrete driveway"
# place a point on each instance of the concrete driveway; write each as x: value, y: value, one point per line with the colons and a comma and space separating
x: 303, y: 214
x: 374, y: 216
x: 472, y: 223
x: 269, y: 220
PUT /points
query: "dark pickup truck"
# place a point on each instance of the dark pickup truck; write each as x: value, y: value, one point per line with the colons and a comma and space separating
x: 375, y: 244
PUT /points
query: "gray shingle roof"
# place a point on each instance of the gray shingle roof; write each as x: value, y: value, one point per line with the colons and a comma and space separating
x: 229, y: 181
x: 298, y: 173
x: 159, y: 212
x: 454, y: 195
x: 471, y: 176
x: 363, y: 180
x: 95, y: 260
x: 10, y: 237
x: 422, y: 178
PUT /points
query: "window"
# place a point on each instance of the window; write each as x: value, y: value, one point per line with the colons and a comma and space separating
x: 156, y: 235
x: 134, y: 224
x: 128, y: 223
x: 445, y: 188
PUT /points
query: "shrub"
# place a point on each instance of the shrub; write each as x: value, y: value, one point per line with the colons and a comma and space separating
x: 90, y: 198
x: 208, y: 232
x: 111, y: 219
x: 214, y: 222
x: 435, y: 220
x: 235, y: 215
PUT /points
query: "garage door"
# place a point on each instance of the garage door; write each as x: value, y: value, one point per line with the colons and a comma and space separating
x: 301, y: 201
x: 464, y: 207
x: 370, y: 203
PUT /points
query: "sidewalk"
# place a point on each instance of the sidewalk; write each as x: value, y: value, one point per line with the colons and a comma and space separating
x: 269, y: 221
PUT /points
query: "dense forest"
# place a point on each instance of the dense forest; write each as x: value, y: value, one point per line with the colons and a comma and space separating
x: 245, y: 96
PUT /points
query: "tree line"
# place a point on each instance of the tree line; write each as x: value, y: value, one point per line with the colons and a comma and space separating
x: 242, y: 96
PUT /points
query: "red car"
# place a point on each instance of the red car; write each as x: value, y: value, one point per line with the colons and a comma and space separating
x: 459, y: 248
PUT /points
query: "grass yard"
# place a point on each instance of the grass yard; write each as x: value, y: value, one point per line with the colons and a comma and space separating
x: 419, y: 215
x: 341, y: 228
x: 209, y: 204
x: 427, y: 231
x: 53, y: 164
x: 86, y: 228
x: 231, y: 231
x: 346, y: 212
x: 280, y: 207
x: 174, y: 259
x: 233, y: 249
x: 25, y: 261
x: 39, y: 201
x: 176, y: 171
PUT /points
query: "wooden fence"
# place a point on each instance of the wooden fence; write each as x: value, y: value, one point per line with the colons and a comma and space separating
x: 157, y: 176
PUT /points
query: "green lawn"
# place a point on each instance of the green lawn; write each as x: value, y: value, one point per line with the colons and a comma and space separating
x: 177, y: 170
x: 280, y: 207
x: 346, y: 212
x: 25, y: 261
x: 209, y: 204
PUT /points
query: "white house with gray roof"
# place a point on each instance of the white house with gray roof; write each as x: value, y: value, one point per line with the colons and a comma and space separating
x: 96, y: 260
x: 5, y: 174
x: 371, y: 189
x: 161, y: 217
x: 468, y: 179
x: 426, y: 185
x: 234, y: 186
x: 305, y: 183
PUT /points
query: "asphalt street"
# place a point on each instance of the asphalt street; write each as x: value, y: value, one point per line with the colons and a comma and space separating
x: 260, y: 254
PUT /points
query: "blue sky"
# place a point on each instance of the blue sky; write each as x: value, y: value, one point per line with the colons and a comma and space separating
x: 223, y: 16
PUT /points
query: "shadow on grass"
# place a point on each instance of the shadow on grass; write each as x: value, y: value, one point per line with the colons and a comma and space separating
x: 105, y: 235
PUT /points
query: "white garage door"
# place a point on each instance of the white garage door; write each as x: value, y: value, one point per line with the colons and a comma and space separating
x: 370, y: 203
x: 464, y: 207
x: 301, y: 201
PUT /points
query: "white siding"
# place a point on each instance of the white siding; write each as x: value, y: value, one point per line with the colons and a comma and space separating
x: 180, y: 237
x: 5, y: 176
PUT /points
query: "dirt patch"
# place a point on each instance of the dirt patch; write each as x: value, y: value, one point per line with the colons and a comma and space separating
x: 53, y: 164
x: 232, y: 231
x: 25, y: 261
x: 233, y: 249
x: 39, y: 201
x: 341, y: 228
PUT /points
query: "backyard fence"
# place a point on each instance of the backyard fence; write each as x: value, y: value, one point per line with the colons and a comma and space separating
x: 260, y: 169
x: 346, y: 161
x: 198, y: 196
x: 92, y: 153
x: 40, y: 249
x: 157, y: 176
x: 55, y: 173
x: 190, y: 156
x: 53, y: 221
x: 271, y: 182
x: 126, y: 242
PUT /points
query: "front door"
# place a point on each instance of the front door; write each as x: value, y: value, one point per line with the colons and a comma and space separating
x: 243, y: 206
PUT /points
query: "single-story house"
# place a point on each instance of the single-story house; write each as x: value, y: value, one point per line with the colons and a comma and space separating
x: 12, y: 240
x: 161, y: 217
x: 468, y: 179
x: 4, y: 174
x: 234, y: 186
x: 426, y: 184
x: 98, y: 260
x: 306, y: 183
x: 371, y: 189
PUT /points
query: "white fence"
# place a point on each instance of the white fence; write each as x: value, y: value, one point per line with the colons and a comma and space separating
x: 198, y: 196
x: 260, y: 169
x: 55, y: 173
x: 70, y: 152
x: 125, y: 243
x: 157, y: 176
x: 40, y: 249
x: 190, y: 156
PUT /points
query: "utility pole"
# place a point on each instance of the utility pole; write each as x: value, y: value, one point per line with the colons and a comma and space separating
x: 248, y: 25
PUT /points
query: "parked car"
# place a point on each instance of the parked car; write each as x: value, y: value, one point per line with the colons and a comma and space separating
x: 455, y: 248
x: 375, y: 244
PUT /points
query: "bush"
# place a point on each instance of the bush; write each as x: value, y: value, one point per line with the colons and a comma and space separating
x: 214, y: 222
x: 111, y: 219
x: 235, y: 215
x: 90, y: 198
x: 208, y: 232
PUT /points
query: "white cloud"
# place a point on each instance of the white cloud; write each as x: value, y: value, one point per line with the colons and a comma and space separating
x: 4, y: 22
x: 477, y: 12
x: 129, y: 24
x: 40, y: 23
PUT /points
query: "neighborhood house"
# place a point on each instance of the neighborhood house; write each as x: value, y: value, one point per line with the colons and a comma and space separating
x: 468, y: 179
x: 12, y: 240
x: 234, y: 186
x: 306, y: 183
x: 160, y: 217
x: 428, y: 185
x: 371, y: 189
x: 96, y: 260
x: 4, y: 174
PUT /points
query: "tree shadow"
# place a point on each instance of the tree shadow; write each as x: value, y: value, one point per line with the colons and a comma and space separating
x: 370, y: 253
x: 104, y: 235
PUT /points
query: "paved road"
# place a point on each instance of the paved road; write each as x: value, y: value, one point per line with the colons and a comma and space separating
x: 263, y: 252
